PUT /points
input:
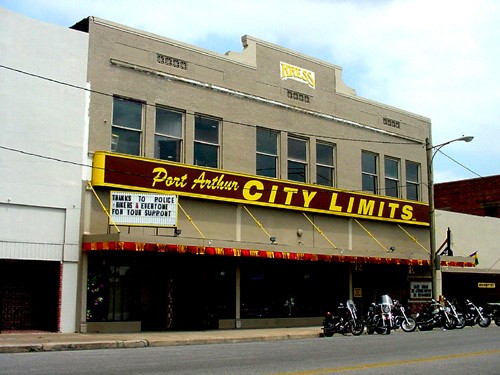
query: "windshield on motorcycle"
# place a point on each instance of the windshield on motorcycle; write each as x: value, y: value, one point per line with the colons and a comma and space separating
x: 385, y: 300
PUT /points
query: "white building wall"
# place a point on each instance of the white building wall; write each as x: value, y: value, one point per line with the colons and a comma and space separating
x: 44, y: 127
x: 469, y: 234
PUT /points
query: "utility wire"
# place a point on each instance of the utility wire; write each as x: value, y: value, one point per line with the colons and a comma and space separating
x: 194, y: 113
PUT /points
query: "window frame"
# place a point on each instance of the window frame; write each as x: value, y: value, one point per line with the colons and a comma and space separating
x: 416, y: 184
x: 265, y: 153
x: 122, y: 128
x: 158, y: 135
x: 296, y: 160
x: 207, y: 144
x: 396, y: 179
x: 322, y: 165
x: 374, y: 176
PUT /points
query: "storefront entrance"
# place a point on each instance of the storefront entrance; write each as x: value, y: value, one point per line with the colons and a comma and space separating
x: 29, y: 295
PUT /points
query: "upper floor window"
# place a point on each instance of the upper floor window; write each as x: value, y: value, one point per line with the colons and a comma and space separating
x: 325, y: 168
x: 412, y: 181
x: 168, y: 134
x: 267, y: 153
x: 127, y: 126
x: 297, y: 159
x: 391, y: 167
x: 369, y: 172
x: 206, y: 142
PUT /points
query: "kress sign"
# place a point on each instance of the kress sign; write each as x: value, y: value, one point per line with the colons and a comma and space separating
x: 141, y: 174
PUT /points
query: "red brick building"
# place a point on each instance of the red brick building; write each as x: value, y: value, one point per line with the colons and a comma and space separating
x: 477, y: 196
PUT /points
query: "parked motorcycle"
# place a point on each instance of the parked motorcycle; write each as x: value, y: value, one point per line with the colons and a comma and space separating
x: 495, y: 312
x: 451, y: 309
x: 435, y: 315
x: 476, y: 315
x: 401, y: 320
x: 345, y: 321
x: 379, y: 317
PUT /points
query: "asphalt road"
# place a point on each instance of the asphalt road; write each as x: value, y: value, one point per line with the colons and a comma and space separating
x: 468, y: 351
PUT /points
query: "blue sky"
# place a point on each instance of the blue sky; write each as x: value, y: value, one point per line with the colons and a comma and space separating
x: 438, y: 59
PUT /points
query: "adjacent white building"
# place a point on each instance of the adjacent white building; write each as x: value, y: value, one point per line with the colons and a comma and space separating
x: 43, y: 122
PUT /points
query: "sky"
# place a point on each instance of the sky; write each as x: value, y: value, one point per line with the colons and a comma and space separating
x: 434, y: 58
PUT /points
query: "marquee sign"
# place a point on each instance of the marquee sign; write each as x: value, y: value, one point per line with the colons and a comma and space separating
x: 151, y: 175
x: 143, y: 209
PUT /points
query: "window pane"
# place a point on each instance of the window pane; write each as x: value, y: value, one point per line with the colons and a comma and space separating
x: 297, y: 149
x: 324, y: 154
x: 266, y: 165
x: 391, y: 188
x: 391, y: 168
x: 370, y: 183
x: 412, y: 171
x: 412, y: 192
x: 167, y: 148
x: 205, y: 155
x: 296, y: 171
x: 206, y: 130
x: 169, y: 122
x: 127, y: 113
x: 126, y: 141
x: 324, y: 176
x: 369, y: 162
x: 267, y: 141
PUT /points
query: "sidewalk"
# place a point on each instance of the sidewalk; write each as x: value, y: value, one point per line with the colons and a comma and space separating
x: 46, y: 341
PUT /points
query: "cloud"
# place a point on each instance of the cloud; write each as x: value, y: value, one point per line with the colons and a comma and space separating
x: 438, y: 58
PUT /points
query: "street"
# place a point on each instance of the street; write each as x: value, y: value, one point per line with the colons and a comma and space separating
x: 466, y: 351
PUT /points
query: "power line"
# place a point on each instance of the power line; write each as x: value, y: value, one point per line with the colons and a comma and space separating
x: 193, y: 113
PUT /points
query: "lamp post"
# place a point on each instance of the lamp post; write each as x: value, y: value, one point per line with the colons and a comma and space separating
x: 431, y: 152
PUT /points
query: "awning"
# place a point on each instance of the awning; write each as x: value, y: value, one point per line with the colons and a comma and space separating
x: 235, y: 252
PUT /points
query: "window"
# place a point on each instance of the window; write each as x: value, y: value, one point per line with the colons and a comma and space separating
x: 412, y: 181
x: 369, y: 172
x: 391, y: 177
x: 127, y: 126
x: 325, y: 164
x: 206, y: 142
x: 168, y: 134
x: 297, y: 159
x: 267, y: 153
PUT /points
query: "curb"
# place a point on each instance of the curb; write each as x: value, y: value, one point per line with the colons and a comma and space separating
x: 143, y: 343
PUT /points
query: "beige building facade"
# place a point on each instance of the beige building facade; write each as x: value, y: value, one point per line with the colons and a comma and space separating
x: 245, y: 189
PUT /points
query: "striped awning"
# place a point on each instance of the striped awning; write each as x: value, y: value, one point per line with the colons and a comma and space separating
x: 235, y: 252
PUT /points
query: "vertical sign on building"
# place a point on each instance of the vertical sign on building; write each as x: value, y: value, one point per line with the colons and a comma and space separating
x: 143, y: 209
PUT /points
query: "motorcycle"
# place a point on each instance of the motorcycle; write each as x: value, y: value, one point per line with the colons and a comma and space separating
x: 476, y: 315
x: 435, y: 315
x: 495, y: 312
x: 401, y: 320
x: 379, y: 317
x: 459, y: 318
x: 345, y: 321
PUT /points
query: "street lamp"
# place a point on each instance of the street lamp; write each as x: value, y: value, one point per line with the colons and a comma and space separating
x: 431, y: 152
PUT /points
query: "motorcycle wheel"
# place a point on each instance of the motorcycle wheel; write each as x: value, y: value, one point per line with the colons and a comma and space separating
x: 409, y: 325
x: 485, y: 322
x: 328, y: 333
x: 460, y: 322
x: 497, y: 322
x: 356, y: 327
x: 450, y: 323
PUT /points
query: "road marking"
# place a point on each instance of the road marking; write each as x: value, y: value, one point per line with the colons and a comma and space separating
x: 390, y: 363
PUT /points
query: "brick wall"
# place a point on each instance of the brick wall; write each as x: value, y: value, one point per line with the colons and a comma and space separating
x: 478, y: 196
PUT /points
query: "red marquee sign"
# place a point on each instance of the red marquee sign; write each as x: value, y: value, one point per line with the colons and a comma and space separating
x: 134, y: 173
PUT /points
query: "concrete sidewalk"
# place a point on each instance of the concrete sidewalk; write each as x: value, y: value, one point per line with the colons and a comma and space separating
x: 44, y: 341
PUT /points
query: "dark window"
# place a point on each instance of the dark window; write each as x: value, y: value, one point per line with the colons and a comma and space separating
x: 267, y: 153
x: 168, y: 134
x: 127, y: 126
x: 206, y: 142
x: 391, y: 177
x: 297, y: 159
x: 412, y: 181
x: 369, y: 172
x: 325, y: 168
